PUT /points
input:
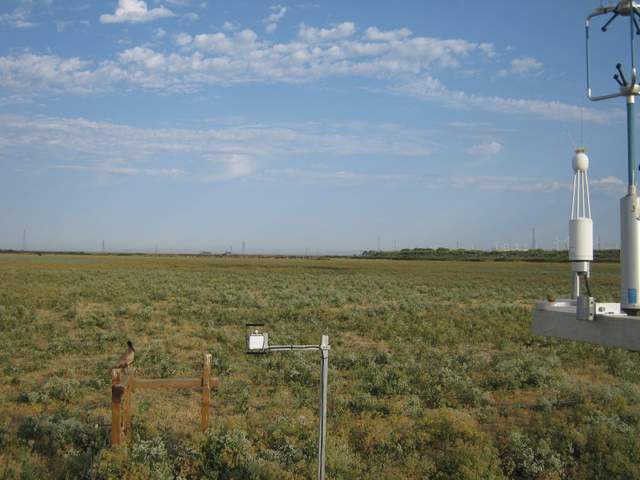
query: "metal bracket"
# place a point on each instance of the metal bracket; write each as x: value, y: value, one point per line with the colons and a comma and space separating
x: 585, y: 308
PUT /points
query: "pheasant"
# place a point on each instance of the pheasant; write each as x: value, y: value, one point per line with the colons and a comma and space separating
x: 127, y: 358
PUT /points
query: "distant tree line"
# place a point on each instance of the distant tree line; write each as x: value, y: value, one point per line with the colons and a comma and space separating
x: 532, y: 255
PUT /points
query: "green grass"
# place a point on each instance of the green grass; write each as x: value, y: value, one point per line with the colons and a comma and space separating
x: 433, y: 370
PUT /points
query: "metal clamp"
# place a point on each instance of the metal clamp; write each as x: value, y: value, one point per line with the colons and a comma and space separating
x: 585, y: 308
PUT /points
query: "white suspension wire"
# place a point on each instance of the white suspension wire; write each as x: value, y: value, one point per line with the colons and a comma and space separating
x: 582, y: 191
x: 584, y: 195
x: 573, y: 197
x: 578, y: 194
x: 586, y: 181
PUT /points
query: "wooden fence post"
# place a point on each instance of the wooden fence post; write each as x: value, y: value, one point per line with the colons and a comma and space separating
x: 206, y: 391
x: 128, y: 406
x: 117, y: 392
x: 123, y: 388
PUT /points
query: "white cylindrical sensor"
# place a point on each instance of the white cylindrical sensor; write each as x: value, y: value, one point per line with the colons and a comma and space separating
x: 630, y: 252
x: 580, y: 161
x: 581, y: 240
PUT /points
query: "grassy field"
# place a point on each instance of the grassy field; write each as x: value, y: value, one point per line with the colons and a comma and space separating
x: 433, y: 370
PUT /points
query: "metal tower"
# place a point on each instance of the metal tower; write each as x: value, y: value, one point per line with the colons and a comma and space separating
x: 581, y: 318
x: 629, y: 205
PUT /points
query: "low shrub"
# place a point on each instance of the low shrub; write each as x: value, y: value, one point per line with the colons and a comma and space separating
x: 456, y: 446
x: 65, y: 440
x: 155, y: 361
x: 531, y: 459
x: 385, y: 380
x: 55, y: 388
x: 150, y: 456
x: 511, y: 371
x: 228, y: 454
x: 60, y: 388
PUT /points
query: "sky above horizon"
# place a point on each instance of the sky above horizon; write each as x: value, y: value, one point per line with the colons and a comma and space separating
x: 312, y: 126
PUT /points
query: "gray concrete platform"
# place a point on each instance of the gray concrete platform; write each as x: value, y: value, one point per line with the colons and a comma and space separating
x: 558, y: 319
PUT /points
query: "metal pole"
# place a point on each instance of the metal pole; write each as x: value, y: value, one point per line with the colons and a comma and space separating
x: 324, y: 386
x: 631, y: 147
x: 324, y: 348
x: 575, y: 290
x: 630, y: 106
x: 631, y: 37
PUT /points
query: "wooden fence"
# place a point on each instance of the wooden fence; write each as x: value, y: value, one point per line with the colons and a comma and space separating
x: 123, y: 387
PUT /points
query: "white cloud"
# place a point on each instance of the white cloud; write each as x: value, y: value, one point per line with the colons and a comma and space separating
x: 228, y: 26
x: 316, y: 35
x: 240, y: 151
x: 135, y: 11
x: 242, y: 56
x: 610, y: 185
x: 159, y: 33
x: 228, y: 152
x: 19, y: 18
x: 182, y: 39
x: 503, y: 183
x: 49, y: 72
x: 62, y: 25
x: 523, y: 66
x: 474, y: 125
x: 373, y: 34
x: 485, y: 149
x: 466, y: 182
x: 214, y: 42
x: 488, y: 49
x: 220, y: 58
x: 191, y: 17
x: 127, y: 171
x: 607, y: 185
x: 429, y: 88
x: 236, y: 165
x: 274, y: 18
x: 341, y: 176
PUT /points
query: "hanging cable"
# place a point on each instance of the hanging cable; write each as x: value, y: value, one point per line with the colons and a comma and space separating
x: 586, y: 284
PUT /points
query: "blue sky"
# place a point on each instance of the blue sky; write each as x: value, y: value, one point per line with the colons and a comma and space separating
x: 306, y: 125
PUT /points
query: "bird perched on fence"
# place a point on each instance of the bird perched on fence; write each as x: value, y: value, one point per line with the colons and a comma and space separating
x: 127, y: 358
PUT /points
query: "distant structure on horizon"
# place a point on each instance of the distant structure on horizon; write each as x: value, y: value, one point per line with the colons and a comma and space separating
x: 533, y: 238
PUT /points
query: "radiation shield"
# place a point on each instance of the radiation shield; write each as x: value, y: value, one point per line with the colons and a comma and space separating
x: 257, y: 341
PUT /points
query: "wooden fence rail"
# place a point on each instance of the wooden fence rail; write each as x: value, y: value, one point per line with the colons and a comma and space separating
x: 124, y: 385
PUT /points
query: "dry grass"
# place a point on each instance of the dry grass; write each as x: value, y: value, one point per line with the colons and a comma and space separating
x: 419, y: 349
